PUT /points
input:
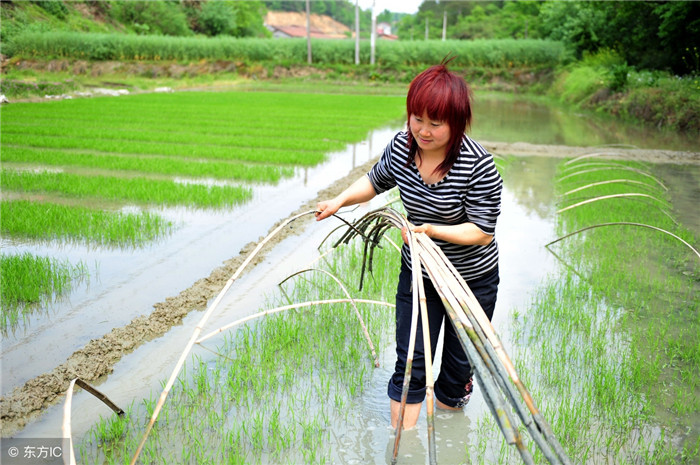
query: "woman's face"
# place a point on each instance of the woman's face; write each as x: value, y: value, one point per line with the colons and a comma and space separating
x: 431, y: 136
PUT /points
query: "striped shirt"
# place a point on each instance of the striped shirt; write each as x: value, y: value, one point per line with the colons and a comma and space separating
x: 469, y: 193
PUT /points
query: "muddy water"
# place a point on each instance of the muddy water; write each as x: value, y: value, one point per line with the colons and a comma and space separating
x: 126, y: 284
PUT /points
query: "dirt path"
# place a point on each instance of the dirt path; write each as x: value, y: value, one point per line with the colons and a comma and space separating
x: 98, y: 357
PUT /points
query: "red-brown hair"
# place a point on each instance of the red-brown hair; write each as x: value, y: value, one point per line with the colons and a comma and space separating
x: 445, y: 97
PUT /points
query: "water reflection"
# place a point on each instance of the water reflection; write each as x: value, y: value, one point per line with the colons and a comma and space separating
x: 512, y: 120
x: 529, y: 181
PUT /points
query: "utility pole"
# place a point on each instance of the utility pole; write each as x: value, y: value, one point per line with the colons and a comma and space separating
x: 373, y: 36
x: 426, y: 28
x: 357, y: 33
x: 444, y: 24
x: 308, y: 32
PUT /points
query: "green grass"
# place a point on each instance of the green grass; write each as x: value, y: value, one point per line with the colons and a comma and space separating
x: 495, y: 52
x: 52, y: 222
x: 28, y: 280
x: 142, y: 191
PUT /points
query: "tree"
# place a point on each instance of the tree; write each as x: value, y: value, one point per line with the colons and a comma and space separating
x: 238, y: 19
x: 649, y: 35
x: 155, y: 17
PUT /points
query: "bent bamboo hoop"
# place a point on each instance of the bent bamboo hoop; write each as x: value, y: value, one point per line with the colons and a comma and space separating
x: 602, y: 183
x: 352, y: 302
x: 67, y: 434
x: 600, y: 154
x: 493, y: 369
x: 284, y: 308
x: 606, y: 197
x: 625, y: 223
x: 622, y: 167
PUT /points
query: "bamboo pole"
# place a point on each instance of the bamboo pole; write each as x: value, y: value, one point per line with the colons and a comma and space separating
x: 66, y: 428
x: 407, y: 373
x: 352, y: 302
x: 419, y: 290
x: 67, y: 433
x: 625, y: 223
x: 285, y: 308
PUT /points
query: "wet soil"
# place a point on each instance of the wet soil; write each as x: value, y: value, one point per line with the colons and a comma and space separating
x: 97, y: 358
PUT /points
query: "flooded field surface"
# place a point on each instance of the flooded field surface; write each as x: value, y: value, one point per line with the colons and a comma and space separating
x: 125, y: 328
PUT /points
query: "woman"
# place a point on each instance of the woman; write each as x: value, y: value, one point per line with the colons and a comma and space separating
x: 451, y: 191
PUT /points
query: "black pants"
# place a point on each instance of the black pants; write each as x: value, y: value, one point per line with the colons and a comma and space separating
x: 455, y: 369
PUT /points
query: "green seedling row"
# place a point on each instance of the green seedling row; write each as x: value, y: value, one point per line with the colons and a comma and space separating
x: 190, y: 150
x: 236, y: 108
x: 28, y: 280
x: 163, y: 165
x: 139, y: 190
x: 259, y: 140
x: 292, y: 128
x: 49, y: 222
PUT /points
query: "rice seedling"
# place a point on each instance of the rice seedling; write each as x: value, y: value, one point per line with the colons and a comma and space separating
x: 146, y: 164
x: 138, y: 190
x: 29, y: 280
x: 129, y: 150
x: 53, y: 222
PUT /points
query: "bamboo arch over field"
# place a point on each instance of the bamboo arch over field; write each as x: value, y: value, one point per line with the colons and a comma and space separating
x: 625, y: 223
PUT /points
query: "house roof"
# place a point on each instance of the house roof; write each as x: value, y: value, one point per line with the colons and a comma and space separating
x: 293, y: 24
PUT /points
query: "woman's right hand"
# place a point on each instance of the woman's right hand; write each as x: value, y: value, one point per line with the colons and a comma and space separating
x: 326, y: 208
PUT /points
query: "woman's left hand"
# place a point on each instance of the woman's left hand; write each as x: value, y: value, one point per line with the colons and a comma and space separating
x: 424, y: 228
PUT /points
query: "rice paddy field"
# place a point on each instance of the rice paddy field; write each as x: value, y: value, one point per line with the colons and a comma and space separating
x: 598, y: 306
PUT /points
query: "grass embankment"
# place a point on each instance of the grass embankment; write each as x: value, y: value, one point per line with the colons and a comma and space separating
x: 611, y: 345
x: 276, y: 388
x: 70, y: 166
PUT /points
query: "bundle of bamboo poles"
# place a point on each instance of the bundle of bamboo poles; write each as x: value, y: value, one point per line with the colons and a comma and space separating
x: 493, y: 368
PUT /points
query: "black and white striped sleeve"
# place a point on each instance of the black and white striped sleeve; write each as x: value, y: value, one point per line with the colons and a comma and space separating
x: 483, y: 199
